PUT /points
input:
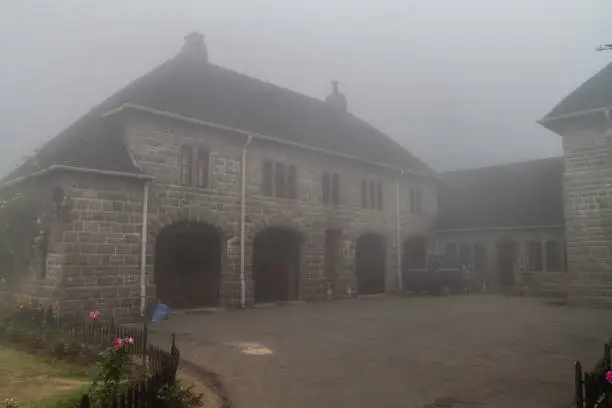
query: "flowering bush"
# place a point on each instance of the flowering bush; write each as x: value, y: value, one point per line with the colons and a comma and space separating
x: 110, y: 380
x: 609, y: 376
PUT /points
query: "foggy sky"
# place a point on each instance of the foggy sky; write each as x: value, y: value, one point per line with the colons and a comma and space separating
x: 460, y: 83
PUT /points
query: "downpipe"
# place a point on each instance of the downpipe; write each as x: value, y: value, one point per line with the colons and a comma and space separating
x: 143, y: 250
x: 398, y: 232
x: 243, y: 222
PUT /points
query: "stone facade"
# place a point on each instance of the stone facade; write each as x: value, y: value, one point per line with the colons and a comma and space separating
x: 96, y: 251
x: 147, y: 139
x: 587, y: 142
x: 542, y: 281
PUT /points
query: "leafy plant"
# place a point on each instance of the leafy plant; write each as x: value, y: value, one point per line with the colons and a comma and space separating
x: 177, y: 395
x: 110, y: 379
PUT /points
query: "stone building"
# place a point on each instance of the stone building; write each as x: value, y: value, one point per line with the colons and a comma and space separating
x: 507, y: 222
x: 584, y: 120
x: 200, y: 186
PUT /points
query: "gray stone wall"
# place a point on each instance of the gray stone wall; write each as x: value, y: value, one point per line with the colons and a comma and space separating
x: 36, y: 273
x: 155, y: 143
x: 100, y: 245
x: 534, y: 282
x: 588, y: 209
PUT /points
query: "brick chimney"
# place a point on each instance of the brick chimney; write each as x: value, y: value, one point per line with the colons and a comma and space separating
x: 336, y: 99
x: 195, y: 47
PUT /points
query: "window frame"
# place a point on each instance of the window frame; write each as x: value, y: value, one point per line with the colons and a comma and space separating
x: 364, y: 194
x: 379, y: 195
x: 186, y: 167
x: 555, y: 261
x: 202, y: 155
x: 532, y: 265
x: 267, y: 181
x: 335, y: 189
x: 290, y: 182
x: 325, y: 183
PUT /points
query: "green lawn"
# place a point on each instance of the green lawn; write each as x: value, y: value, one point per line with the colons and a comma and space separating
x: 39, y: 382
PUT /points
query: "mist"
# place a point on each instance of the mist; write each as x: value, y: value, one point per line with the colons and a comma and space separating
x: 459, y: 84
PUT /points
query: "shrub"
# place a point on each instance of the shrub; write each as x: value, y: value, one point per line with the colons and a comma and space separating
x: 176, y: 395
x: 109, y: 382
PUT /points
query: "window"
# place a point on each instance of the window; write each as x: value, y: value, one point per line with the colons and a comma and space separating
x: 290, y: 189
x: 203, y: 166
x: 372, y: 195
x: 534, y: 251
x: 451, y: 250
x: 335, y: 189
x: 364, y: 194
x: 268, y: 175
x: 465, y: 254
x: 379, y: 196
x: 279, y: 180
x: 325, y: 187
x: 480, y: 257
x: 186, y: 165
x: 553, y: 257
x: 415, y: 200
x: 44, y: 252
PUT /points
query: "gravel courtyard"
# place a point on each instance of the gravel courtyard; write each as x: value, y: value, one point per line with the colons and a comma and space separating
x: 455, y: 351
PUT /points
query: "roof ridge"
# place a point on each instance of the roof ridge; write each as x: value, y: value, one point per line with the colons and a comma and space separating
x: 507, y: 164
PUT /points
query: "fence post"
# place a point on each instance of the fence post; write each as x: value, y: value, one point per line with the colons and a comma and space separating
x: 84, y: 401
x: 145, y: 343
x: 578, y: 385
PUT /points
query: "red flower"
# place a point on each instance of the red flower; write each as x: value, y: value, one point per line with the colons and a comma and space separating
x: 130, y: 340
x: 609, y: 376
x: 94, y: 315
x: 118, y: 343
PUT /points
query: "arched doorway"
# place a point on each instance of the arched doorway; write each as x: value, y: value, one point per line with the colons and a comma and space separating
x: 414, y: 252
x: 188, y: 260
x: 370, y: 260
x: 276, y: 265
x: 506, y: 252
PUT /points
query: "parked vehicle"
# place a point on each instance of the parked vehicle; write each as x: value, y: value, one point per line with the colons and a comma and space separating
x: 442, y: 275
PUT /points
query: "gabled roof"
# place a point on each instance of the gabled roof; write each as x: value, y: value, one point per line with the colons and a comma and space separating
x: 192, y: 87
x: 509, y: 195
x: 595, y: 93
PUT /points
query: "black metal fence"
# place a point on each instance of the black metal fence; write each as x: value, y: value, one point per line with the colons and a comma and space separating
x: 161, y: 365
x: 592, y: 389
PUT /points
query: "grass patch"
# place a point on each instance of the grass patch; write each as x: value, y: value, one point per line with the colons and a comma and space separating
x: 38, y: 382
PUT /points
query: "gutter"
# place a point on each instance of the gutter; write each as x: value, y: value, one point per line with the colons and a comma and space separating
x: 57, y: 167
x: 398, y: 232
x: 547, y: 119
x: 213, y: 125
x: 243, y: 222
x: 143, y: 250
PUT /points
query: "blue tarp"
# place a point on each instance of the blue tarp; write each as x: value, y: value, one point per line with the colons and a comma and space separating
x: 160, y: 313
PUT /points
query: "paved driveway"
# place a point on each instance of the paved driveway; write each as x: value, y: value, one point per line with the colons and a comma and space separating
x: 455, y: 351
